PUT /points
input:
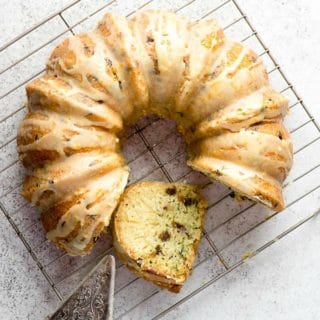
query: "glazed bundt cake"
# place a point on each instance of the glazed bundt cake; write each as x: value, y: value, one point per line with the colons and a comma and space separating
x: 157, y: 230
x: 216, y: 90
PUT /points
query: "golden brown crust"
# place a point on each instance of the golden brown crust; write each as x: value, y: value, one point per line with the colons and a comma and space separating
x: 33, y: 134
x: 33, y: 157
x: 275, y: 128
x: 48, y: 93
x: 51, y: 217
x: 258, y: 189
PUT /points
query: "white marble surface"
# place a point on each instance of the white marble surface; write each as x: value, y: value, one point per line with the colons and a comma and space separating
x: 17, y: 16
x: 291, y: 30
x: 23, y: 287
x: 280, y: 282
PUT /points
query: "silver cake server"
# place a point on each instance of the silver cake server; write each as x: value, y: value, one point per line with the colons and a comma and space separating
x: 93, y: 298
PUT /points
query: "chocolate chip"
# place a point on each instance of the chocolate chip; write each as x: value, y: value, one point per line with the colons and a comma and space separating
x: 158, y: 250
x: 171, y: 191
x: 165, y: 208
x: 280, y: 135
x: 232, y: 194
x: 63, y: 223
x: 164, y: 236
x: 179, y: 226
x: 150, y: 39
x: 189, y: 201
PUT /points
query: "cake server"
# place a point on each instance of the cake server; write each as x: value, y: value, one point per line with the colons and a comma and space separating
x: 93, y: 298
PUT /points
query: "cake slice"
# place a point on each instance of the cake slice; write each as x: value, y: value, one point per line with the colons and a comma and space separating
x: 157, y: 230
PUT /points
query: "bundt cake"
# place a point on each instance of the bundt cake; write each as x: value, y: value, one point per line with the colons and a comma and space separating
x: 216, y: 90
x: 157, y: 230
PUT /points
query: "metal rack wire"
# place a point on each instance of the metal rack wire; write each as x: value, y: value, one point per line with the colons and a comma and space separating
x: 149, y: 147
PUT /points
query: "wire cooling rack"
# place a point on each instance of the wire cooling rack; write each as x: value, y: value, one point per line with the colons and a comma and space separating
x: 234, y: 231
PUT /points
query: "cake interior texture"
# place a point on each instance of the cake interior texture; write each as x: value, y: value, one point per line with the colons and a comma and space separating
x: 157, y: 230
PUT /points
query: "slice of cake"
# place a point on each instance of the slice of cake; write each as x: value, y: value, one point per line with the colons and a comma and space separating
x: 157, y: 230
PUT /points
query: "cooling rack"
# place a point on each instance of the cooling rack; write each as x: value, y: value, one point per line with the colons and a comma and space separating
x: 234, y: 231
